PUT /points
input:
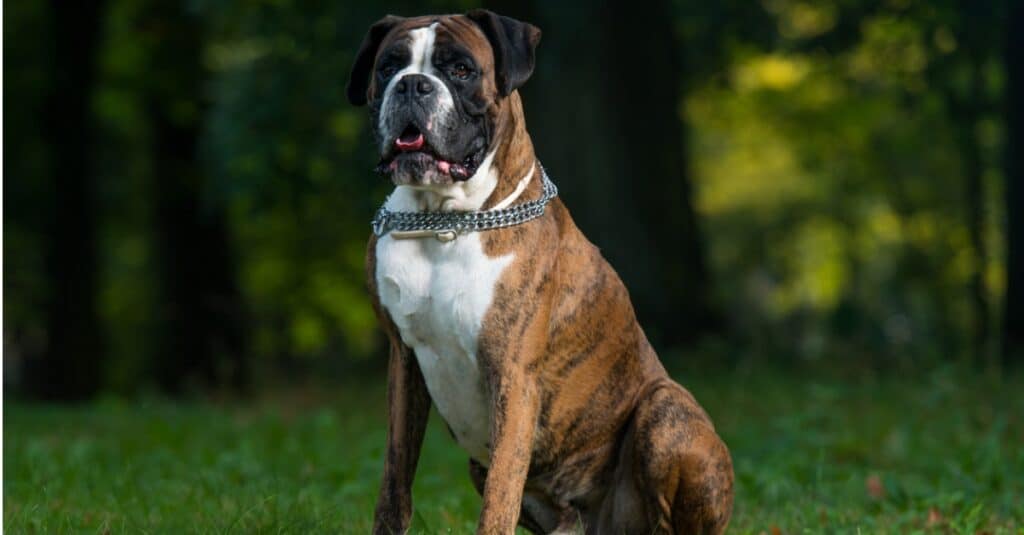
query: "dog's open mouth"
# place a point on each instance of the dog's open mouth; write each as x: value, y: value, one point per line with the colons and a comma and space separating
x: 410, y: 150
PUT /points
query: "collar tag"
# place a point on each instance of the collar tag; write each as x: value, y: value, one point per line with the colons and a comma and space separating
x: 443, y: 236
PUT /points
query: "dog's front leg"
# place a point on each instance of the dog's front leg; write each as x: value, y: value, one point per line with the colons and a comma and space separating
x: 514, y: 419
x: 408, y: 408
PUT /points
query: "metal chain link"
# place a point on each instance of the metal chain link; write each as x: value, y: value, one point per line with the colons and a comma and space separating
x: 386, y: 221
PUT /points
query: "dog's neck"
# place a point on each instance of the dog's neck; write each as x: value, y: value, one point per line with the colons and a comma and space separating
x: 519, y: 174
x: 508, y: 174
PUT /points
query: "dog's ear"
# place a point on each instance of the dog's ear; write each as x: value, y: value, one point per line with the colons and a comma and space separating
x: 513, y: 42
x: 359, y: 77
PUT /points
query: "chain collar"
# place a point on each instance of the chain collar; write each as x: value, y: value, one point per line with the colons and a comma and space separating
x: 446, y: 226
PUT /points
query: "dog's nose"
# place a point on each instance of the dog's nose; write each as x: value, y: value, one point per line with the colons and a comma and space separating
x: 421, y: 85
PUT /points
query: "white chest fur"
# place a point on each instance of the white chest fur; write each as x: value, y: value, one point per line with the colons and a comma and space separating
x: 437, y: 294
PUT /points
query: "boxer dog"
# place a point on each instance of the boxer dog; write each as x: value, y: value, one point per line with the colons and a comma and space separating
x: 522, y: 336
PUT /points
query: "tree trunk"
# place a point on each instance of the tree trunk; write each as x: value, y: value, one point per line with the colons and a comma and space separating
x: 967, y: 118
x: 650, y: 126
x: 1013, y: 326
x: 203, y: 318
x: 603, y: 109
x: 71, y: 368
x: 966, y: 105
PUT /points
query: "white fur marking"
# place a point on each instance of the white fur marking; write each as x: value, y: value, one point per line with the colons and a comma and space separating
x: 504, y: 203
x: 438, y: 294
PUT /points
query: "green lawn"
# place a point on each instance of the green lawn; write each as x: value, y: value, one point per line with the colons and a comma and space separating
x: 868, y: 455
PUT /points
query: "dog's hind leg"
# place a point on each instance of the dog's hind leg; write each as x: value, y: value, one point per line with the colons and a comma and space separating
x: 680, y: 465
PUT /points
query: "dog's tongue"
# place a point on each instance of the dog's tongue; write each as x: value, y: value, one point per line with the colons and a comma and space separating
x: 410, y: 141
x: 456, y: 171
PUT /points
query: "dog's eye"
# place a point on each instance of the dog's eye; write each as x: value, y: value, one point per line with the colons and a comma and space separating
x: 460, y: 71
x: 387, y: 70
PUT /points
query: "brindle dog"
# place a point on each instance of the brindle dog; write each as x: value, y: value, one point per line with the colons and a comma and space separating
x: 523, y: 337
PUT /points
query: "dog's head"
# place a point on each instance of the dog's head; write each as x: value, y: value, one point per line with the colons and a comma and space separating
x: 434, y: 85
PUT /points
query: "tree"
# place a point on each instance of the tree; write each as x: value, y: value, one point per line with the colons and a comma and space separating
x: 604, y: 112
x: 71, y: 367
x: 1013, y: 327
x: 201, y: 309
x: 966, y: 111
x: 970, y: 99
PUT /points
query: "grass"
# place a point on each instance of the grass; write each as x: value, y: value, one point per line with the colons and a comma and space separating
x: 942, y: 452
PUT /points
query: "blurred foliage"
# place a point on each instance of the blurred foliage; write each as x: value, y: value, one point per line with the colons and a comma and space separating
x: 831, y: 183
x: 292, y: 159
x: 827, y: 166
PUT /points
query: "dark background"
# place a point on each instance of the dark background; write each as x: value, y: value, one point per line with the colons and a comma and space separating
x: 820, y: 183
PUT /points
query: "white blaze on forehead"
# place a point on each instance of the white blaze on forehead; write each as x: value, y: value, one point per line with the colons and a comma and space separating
x: 422, y: 48
x: 421, y: 54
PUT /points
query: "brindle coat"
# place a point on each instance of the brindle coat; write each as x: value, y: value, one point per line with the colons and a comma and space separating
x: 586, y: 425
